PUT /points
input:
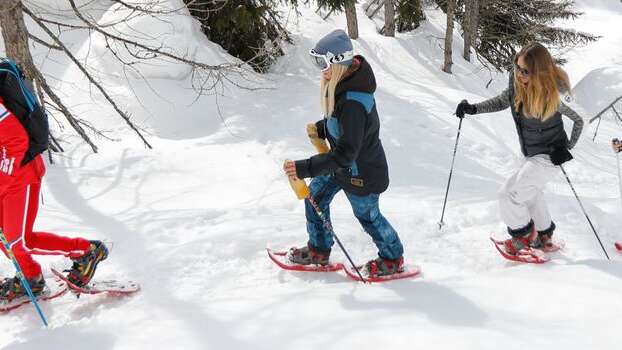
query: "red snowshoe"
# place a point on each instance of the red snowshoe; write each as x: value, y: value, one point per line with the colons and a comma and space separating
x: 282, y: 259
x: 519, y: 252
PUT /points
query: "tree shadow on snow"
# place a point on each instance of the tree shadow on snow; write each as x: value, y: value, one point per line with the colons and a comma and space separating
x: 440, y: 304
x: 130, y: 255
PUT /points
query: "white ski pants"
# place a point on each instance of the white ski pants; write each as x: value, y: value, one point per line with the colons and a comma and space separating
x: 521, y: 199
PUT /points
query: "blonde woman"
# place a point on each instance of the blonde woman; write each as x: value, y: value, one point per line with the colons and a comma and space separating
x: 534, y: 98
x: 355, y: 162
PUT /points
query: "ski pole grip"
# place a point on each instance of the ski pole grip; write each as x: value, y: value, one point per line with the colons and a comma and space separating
x: 319, y: 144
x: 299, y: 186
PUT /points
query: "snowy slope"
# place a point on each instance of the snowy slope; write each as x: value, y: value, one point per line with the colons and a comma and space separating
x: 191, y: 218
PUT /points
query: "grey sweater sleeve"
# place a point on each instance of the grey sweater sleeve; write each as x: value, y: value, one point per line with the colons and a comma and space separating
x: 495, y: 104
x: 577, y: 128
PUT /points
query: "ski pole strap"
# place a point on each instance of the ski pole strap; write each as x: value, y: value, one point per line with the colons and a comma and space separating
x: 22, y: 278
x: 584, y: 212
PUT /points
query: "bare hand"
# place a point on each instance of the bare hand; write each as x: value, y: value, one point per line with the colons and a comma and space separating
x: 290, y: 169
x: 616, y: 145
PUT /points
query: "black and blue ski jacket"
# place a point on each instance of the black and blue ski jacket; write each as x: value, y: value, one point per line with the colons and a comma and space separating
x: 356, y: 158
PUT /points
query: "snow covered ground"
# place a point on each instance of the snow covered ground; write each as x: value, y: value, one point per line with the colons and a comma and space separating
x: 191, y: 218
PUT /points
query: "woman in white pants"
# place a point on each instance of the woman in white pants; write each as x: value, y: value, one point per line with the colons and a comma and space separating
x: 534, y: 98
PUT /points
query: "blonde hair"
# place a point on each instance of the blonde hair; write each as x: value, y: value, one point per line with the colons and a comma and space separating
x: 327, y: 88
x: 540, y: 98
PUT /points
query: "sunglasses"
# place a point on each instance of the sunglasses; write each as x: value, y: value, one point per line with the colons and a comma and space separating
x: 521, y: 70
x: 323, y: 61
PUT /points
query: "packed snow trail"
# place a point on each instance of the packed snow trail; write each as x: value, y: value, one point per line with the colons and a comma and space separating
x: 190, y: 220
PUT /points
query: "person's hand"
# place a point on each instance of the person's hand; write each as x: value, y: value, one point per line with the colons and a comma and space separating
x: 289, y: 167
x: 465, y: 107
x: 616, y: 145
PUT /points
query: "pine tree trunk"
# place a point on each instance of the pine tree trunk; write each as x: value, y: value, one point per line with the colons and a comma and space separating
x: 451, y: 8
x: 353, y: 28
x: 389, y: 18
x: 467, y: 28
x: 474, y: 23
x: 15, y: 36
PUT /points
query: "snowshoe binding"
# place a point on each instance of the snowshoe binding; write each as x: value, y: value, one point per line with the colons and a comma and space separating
x: 303, y: 259
x: 308, y: 256
x: 520, y: 249
x: 382, y: 270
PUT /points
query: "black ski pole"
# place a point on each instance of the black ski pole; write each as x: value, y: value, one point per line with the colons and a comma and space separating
x: 329, y: 227
x: 303, y: 192
x: 451, y: 171
x: 584, y: 212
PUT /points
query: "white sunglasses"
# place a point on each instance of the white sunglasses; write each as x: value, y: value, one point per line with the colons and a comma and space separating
x: 323, y: 61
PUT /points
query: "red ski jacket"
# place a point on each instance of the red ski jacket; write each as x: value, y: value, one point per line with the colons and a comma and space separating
x: 13, y: 147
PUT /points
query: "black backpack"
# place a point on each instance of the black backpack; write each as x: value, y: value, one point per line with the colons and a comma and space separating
x: 19, y: 99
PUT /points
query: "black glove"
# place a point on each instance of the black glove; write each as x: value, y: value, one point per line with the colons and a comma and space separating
x: 465, y: 107
x: 560, y: 155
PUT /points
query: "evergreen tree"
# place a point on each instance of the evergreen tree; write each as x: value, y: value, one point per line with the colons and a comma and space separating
x: 505, y: 26
x: 508, y: 25
x: 247, y: 29
x: 409, y: 15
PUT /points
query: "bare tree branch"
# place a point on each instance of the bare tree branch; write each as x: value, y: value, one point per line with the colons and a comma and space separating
x: 72, y: 121
x: 43, y: 42
x: 88, y: 75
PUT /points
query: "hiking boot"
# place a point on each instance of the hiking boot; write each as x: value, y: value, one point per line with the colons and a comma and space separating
x: 384, y: 267
x: 11, y: 288
x: 84, y: 266
x: 307, y: 256
x: 513, y: 245
x: 543, y: 242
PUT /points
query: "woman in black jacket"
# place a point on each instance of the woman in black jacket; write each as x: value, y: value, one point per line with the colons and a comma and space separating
x: 355, y: 162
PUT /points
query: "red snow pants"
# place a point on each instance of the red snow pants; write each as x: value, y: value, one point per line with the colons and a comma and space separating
x: 18, y: 210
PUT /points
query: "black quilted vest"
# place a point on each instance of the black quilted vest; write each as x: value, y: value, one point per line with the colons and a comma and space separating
x: 535, y: 136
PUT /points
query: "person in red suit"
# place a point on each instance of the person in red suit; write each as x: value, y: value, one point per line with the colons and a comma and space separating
x: 19, y: 202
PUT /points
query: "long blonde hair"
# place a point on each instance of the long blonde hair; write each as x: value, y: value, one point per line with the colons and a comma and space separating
x: 540, y: 98
x: 327, y: 88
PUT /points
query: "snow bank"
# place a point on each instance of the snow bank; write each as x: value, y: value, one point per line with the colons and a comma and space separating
x: 599, y: 88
